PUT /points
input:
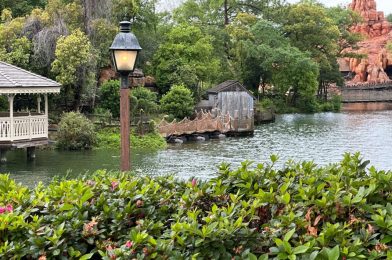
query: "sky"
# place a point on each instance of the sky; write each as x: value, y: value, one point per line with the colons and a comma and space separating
x: 382, y: 5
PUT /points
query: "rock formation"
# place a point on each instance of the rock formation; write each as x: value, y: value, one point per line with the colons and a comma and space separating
x: 377, y: 32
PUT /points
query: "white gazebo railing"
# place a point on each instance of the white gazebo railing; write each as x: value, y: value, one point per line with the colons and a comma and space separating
x: 23, y: 127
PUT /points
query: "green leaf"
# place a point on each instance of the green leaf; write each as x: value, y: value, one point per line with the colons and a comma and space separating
x: 263, y: 257
x: 300, y: 249
x: 286, y: 198
x: 238, y: 222
x: 252, y: 256
x: 88, y: 194
x: 313, y: 255
x: 359, y: 196
x: 292, y: 257
x: 334, y: 253
x: 386, y: 239
x: 289, y: 235
x: 274, y: 158
x: 86, y: 256
x: 66, y: 207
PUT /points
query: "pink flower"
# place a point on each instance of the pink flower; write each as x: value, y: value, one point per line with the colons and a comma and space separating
x: 114, y: 185
x: 194, y: 182
x: 6, y: 209
x: 129, y: 244
x: 9, y: 208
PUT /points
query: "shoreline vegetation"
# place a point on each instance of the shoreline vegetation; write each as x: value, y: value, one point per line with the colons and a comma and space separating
x: 110, y: 138
x: 301, y: 211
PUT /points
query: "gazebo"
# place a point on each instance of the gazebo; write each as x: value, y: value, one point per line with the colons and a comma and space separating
x: 26, y: 129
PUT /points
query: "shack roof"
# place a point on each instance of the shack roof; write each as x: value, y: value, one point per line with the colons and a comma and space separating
x: 14, y: 80
x: 229, y: 86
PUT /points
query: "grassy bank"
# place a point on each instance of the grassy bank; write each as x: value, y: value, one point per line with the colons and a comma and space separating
x: 301, y: 211
x: 110, y: 138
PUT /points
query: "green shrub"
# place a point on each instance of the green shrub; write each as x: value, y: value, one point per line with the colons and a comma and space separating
x: 146, y: 100
x: 266, y: 104
x: 110, y: 97
x: 389, y: 18
x: 75, y: 132
x: 110, y: 138
x: 178, y: 102
x: 302, y: 211
x: 333, y: 105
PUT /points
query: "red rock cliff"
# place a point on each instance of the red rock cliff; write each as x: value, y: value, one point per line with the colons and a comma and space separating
x: 377, y: 32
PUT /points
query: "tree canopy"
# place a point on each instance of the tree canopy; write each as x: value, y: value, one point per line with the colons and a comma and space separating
x: 200, y: 44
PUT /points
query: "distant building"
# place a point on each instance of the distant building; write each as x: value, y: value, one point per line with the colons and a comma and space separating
x: 231, y: 97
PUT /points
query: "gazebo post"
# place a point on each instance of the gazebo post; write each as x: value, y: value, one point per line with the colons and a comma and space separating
x: 18, y: 130
x: 39, y: 104
x: 11, y: 104
x: 46, y: 112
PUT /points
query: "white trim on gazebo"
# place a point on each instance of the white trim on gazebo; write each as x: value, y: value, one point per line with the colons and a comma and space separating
x: 24, y: 126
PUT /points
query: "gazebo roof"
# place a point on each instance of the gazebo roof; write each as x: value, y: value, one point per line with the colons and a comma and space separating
x: 14, y: 80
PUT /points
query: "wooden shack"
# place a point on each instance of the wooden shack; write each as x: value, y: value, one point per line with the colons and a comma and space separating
x: 28, y: 128
x: 232, y: 98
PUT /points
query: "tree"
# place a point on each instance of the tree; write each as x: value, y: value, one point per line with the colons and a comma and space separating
x: 185, y: 57
x: 344, y: 19
x: 146, y: 100
x: 21, y: 7
x: 389, y: 18
x: 15, y: 48
x: 110, y: 97
x: 102, y: 35
x: 178, y: 102
x: 389, y: 47
x: 223, y: 12
x: 270, y: 56
x: 74, y: 67
x: 311, y: 30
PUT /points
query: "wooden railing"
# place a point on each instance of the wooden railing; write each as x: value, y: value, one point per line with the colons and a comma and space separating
x: 204, y: 122
x: 23, y: 128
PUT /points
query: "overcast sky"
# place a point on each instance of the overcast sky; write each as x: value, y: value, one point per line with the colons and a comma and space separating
x: 382, y: 5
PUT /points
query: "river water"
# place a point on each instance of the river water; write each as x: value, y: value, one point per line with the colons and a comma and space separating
x: 323, y: 138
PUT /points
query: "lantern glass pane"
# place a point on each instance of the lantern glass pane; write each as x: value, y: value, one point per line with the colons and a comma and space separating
x: 125, y: 60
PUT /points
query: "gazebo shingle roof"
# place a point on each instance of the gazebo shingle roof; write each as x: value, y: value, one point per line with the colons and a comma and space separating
x: 14, y: 80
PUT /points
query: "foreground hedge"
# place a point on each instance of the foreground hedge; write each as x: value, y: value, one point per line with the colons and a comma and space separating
x: 302, y: 211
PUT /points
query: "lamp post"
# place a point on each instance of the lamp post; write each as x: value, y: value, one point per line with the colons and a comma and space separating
x: 125, y: 49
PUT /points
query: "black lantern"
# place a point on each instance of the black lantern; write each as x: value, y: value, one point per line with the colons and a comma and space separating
x: 125, y: 49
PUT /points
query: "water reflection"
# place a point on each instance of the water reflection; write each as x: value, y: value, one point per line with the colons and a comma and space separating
x: 321, y: 137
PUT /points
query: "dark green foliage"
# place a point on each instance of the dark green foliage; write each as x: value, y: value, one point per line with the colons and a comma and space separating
x: 185, y: 57
x: 178, y: 102
x: 389, y: 18
x: 21, y: 7
x: 302, y: 211
x: 146, y: 100
x: 75, y: 132
x: 110, y: 97
x: 110, y: 138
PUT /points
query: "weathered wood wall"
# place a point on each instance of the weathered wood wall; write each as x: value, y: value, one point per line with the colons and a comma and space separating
x: 230, y: 102
x: 239, y: 105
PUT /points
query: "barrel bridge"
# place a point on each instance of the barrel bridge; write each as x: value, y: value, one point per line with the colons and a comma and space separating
x: 206, y: 122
